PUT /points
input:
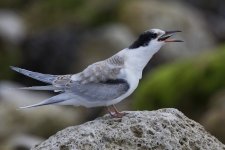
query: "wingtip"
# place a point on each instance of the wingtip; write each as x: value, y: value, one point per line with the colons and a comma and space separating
x: 25, y: 107
x: 44, y: 88
x: 22, y: 107
x: 23, y: 88
x: 14, y: 68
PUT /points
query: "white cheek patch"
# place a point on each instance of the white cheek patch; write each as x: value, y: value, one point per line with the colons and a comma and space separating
x: 155, y: 45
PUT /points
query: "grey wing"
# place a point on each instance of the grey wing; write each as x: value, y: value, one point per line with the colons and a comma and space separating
x: 90, y: 92
x: 100, y: 81
x: 61, y: 81
x: 102, y: 71
x: 102, y: 91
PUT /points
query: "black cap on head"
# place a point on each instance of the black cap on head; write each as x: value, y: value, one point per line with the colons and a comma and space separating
x: 143, y: 39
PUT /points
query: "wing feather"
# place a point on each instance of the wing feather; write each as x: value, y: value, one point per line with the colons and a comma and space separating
x: 99, y: 81
x: 101, y: 91
x: 102, y: 71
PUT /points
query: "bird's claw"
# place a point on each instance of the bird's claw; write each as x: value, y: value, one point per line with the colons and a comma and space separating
x: 115, y: 113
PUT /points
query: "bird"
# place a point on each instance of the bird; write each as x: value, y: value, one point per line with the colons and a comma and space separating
x: 104, y: 83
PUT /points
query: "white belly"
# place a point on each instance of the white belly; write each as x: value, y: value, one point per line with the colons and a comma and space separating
x: 133, y: 81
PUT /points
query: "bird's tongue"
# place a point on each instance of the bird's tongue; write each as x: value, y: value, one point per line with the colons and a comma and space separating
x: 167, y: 35
x: 172, y: 40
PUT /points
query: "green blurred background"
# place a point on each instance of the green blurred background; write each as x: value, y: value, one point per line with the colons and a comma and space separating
x: 64, y: 36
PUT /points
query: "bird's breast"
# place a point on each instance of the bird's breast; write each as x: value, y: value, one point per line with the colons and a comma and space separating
x: 132, y: 78
x: 135, y: 69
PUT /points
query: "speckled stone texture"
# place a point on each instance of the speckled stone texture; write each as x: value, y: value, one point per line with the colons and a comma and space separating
x: 164, y: 129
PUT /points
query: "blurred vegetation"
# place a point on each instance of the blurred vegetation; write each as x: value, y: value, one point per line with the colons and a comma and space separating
x: 186, y: 85
x: 44, y: 14
x: 74, y: 12
x: 8, y: 55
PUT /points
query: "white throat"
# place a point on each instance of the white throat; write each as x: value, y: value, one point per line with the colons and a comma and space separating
x: 137, y: 59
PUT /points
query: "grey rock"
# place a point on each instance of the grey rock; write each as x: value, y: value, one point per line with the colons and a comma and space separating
x: 162, y: 129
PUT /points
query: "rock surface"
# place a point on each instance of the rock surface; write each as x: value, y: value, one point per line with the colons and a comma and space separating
x: 161, y: 129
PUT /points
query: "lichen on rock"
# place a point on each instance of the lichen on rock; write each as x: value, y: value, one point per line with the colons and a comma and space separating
x: 161, y: 129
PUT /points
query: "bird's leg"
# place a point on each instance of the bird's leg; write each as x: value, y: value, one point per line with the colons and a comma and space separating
x: 118, y: 113
x: 114, y: 112
x: 111, y: 112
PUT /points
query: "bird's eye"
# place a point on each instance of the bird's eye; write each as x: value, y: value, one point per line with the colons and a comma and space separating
x: 154, y: 35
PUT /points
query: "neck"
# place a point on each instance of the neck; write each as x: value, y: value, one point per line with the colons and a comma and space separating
x: 137, y: 59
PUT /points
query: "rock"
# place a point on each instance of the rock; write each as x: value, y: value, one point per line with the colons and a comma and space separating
x: 169, y: 15
x: 162, y: 129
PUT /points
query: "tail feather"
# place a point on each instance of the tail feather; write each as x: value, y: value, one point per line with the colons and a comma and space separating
x: 47, y: 78
x: 53, y: 100
x: 44, y: 88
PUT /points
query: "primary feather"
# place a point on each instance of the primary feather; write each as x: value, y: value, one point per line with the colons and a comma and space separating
x: 53, y: 100
x: 47, y: 78
x: 44, y: 88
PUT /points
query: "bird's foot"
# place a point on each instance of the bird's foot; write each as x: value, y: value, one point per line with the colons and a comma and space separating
x: 119, y: 115
x: 115, y: 113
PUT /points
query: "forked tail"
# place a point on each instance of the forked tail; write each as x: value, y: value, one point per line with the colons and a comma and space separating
x: 53, y: 100
x: 47, y: 78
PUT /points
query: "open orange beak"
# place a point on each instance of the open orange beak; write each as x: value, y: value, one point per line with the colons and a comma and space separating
x: 165, y: 37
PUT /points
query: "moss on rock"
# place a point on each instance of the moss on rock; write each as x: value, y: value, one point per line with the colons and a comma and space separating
x: 186, y: 85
